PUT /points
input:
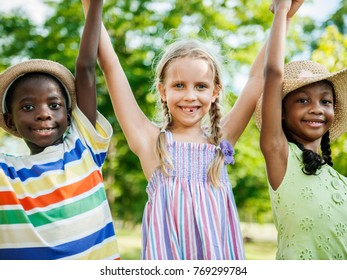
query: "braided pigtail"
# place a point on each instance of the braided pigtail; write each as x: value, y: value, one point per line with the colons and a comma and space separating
x: 325, y: 147
x: 313, y: 161
x: 215, y: 138
x: 160, y: 149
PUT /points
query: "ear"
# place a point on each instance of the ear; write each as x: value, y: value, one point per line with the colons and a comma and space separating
x: 9, y: 121
x: 161, y: 90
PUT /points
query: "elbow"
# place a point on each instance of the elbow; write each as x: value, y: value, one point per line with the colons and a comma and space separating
x: 273, y: 72
x: 263, y: 144
x: 85, y: 66
x: 107, y: 63
x: 266, y: 147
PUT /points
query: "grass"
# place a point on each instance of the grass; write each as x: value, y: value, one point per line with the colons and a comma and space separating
x: 260, y: 250
x: 129, y: 242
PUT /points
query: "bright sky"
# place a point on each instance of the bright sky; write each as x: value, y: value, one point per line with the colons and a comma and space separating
x: 318, y: 10
x: 35, y: 8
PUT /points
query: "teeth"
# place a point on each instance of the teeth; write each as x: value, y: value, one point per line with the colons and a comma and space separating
x: 188, y: 109
x: 44, y: 129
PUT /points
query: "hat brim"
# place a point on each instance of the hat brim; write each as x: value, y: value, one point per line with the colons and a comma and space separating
x: 52, y: 68
x: 339, y: 82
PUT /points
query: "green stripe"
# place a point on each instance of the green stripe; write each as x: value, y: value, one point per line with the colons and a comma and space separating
x: 13, y: 217
x: 61, y: 213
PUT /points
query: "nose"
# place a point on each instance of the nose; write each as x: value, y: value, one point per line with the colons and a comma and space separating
x: 43, y: 113
x: 316, y: 108
x: 190, y: 94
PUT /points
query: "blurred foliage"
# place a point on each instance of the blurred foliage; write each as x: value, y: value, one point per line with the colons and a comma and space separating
x: 139, y: 30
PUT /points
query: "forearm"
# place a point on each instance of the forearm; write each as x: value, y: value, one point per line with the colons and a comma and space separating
x: 276, y: 44
x: 271, y: 131
x: 88, y: 52
x: 86, y: 61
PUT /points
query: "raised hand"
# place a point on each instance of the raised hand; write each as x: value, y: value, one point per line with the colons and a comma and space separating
x: 294, y: 7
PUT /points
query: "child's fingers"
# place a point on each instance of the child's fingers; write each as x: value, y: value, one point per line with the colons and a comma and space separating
x: 294, y: 7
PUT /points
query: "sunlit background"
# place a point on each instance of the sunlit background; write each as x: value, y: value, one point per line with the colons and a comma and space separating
x: 139, y: 30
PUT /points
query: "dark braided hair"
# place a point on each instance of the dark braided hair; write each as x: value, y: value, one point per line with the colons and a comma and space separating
x: 313, y: 161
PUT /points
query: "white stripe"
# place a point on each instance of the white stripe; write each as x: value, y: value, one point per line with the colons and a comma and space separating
x: 56, y: 233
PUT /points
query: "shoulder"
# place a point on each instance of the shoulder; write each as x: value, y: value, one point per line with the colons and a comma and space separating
x: 101, y: 129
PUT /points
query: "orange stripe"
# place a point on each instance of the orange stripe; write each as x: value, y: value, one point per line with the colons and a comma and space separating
x: 8, y: 198
x: 56, y: 196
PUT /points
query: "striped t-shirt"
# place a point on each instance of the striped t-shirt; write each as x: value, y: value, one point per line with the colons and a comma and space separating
x: 53, y: 204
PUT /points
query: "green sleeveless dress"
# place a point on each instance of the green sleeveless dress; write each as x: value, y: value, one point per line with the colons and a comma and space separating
x: 310, y: 212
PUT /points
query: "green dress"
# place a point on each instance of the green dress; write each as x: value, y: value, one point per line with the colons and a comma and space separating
x: 310, y: 212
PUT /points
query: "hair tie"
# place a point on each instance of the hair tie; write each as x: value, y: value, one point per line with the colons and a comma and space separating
x: 162, y: 130
x: 227, y: 150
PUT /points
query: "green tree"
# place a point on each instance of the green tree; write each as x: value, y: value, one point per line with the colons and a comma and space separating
x: 139, y: 30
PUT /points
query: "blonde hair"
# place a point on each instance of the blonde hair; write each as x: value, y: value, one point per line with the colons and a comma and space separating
x: 197, y: 50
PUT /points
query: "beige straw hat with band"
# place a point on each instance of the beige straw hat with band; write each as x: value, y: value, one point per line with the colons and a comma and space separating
x: 301, y: 73
x: 55, y: 69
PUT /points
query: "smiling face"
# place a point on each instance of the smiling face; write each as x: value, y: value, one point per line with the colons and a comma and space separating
x: 38, y: 112
x: 188, y: 90
x: 308, y: 113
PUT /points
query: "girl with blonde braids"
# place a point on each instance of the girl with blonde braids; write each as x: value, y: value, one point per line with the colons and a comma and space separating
x: 191, y: 212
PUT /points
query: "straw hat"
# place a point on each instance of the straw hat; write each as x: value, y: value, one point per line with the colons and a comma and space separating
x: 301, y: 73
x: 55, y: 69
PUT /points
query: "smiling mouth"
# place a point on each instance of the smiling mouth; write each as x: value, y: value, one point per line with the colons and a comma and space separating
x: 43, y: 130
x: 315, y: 123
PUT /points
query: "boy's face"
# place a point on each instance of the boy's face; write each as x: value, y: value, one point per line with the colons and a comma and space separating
x: 38, y: 113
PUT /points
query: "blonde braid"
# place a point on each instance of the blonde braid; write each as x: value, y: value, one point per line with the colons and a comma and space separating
x: 160, y: 149
x: 215, y: 138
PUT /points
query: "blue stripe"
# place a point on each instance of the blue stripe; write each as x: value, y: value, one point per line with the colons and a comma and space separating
x: 37, y: 170
x: 99, y: 159
x: 60, y: 251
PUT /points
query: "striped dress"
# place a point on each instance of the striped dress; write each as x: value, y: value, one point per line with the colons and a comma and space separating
x: 185, y: 216
x: 53, y: 204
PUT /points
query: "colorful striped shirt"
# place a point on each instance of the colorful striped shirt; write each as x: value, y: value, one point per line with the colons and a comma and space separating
x: 185, y: 216
x: 53, y: 204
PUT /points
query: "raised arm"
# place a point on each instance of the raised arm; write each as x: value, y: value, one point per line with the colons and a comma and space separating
x: 235, y: 122
x: 140, y: 133
x: 273, y: 142
x: 86, y: 61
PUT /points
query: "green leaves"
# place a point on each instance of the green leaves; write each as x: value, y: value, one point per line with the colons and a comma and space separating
x: 139, y: 30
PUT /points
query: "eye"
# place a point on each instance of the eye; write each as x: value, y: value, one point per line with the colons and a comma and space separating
x: 327, y: 102
x: 201, y: 86
x: 178, y: 85
x: 28, y: 107
x: 54, y: 106
x: 302, y: 100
